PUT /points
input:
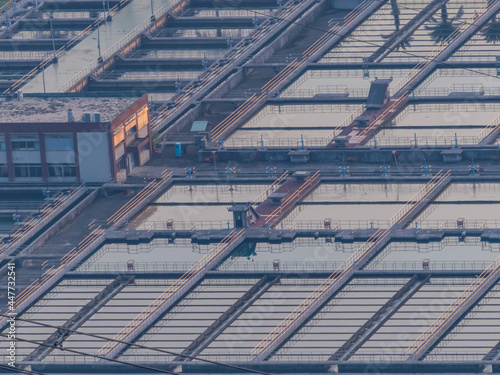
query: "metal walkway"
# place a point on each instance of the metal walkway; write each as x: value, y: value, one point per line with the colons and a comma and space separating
x: 237, y: 56
x: 76, y: 321
x: 89, y: 244
x: 368, y: 329
x: 433, y: 334
x: 408, y: 83
x: 338, y: 279
x: 34, y: 225
x: 396, y: 40
x: 295, y: 68
x: 172, y: 295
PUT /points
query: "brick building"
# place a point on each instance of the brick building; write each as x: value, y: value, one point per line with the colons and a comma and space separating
x: 73, y: 139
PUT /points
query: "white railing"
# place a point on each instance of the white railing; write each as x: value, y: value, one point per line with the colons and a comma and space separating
x: 23, y: 55
x: 433, y: 266
x: 137, y: 267
x: 333, y: 224
x: 259, y: 266
x: 186, y: 225
x: 424, y: 141
x: 320, y: 224
x: 228, y: 13
x: 489, y: 128
x: 458, y: 88
x: 172, y: 293
x: 326, y: 89
x: 234, y: 142
x: 242, y: 358
x: 403, y: 357
x: 462, y: 302
x: 453, y: 224
x: 284, y: 266
x: 160, y: 96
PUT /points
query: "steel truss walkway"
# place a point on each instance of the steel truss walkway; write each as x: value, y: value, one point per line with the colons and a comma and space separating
x: 237, y: 56
x: 342, y: 275
x: 76, y: 321
x: 172, y: 295
x: 89, y: 244
x: 334, y: 283
x: 408, y: 83
x: 444, y: 322
x: 295, y: 68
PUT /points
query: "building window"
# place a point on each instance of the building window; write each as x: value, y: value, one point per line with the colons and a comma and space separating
x: 25, y: 142
x: 59, y: 142
x: 62, y: 170
x: 118, y: 136
x: 4, y: 171
x: 28, y: 170
x: 132, y: 130
x: 3, y: 146
x: 121, y: 163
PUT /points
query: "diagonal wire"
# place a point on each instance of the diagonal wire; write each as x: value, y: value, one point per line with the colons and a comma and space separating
x: 93, y: 355
x: 140, y: 346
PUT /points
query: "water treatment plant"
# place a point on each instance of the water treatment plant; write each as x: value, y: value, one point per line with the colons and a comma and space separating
x: 250, y: 186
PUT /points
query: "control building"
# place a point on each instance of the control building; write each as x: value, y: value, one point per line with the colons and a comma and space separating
x: 73, y: 139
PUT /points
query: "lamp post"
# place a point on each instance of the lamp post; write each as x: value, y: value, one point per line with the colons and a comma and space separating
x: 53, y: 41
x: 152, y: 12
x: 99, y: 43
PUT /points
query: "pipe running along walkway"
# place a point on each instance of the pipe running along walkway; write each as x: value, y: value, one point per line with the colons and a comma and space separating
x: 172, y: 294
x: 292, y: 70
x: 89, y: 244
x: 409, y: 82
x: 136, y: 203
x: 342, y: 275
x: 406, y: 31
x: 50, y: 277
x: 444, y: 322
x: 238, y: 55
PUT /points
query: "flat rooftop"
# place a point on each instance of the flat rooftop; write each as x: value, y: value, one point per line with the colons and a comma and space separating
x: 52, y: 110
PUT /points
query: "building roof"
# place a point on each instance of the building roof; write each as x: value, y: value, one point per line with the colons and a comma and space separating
x: 55, y: 109
x: 199, y: 126
x: 239, y: 207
